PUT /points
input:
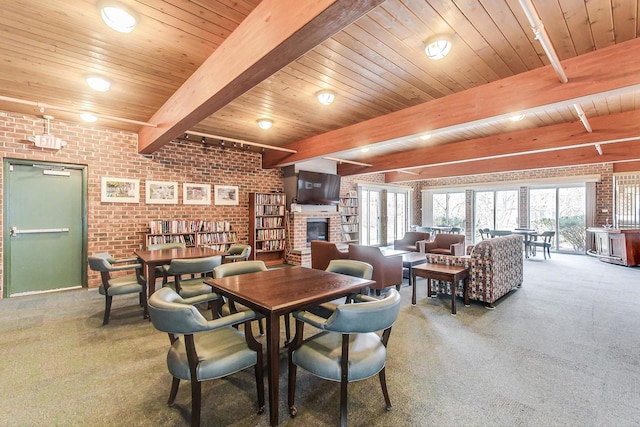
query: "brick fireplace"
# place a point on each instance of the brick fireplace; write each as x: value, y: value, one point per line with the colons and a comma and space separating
x: 299, y: 253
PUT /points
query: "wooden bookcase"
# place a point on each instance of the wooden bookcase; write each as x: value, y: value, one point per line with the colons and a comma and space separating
x: 214, y: 234
x: 267, y: 233
x: 349, y: 225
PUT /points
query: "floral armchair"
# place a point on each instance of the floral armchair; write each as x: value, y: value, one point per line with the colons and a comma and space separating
x: 495, y: 268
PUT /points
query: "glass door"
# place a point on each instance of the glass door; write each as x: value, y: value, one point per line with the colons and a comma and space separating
x: 371, y: 219
x: 397, y: 215
x: 560, y: 209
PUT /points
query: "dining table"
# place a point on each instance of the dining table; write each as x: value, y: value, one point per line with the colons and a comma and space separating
x: 528, y: 235
x: 279, y: 291
x: 151, y: 259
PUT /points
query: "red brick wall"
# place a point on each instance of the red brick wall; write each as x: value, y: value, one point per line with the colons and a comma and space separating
x: 120, y: 228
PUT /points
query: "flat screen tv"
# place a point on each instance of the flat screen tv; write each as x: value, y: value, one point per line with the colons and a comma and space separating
x: 316, y: 188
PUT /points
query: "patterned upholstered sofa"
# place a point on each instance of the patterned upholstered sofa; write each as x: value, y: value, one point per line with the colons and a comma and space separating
x: 495, y: 268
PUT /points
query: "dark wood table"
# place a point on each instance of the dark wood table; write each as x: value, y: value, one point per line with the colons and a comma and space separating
x: 410, y: 260
x: 280, y: 291
x: 151, y: 259
x: 447, y: 273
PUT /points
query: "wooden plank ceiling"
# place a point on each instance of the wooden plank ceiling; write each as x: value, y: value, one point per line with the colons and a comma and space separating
x: 215, y: 67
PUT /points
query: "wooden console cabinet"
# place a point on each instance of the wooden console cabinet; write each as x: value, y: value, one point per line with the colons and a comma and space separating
x: 616, y: 246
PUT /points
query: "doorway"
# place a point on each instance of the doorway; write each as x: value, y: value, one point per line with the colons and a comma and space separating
x: 45, y: 226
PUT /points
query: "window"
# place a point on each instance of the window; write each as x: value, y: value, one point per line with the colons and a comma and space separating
x: 449, y: 209
x: 397, y: 215
x: 496, y: 210
x: 561, y: 209
x: 626, y: 204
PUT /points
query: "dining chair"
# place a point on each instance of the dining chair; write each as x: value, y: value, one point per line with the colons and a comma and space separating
x: 545, y: 243
x: 349, y: 267
x: 204, y: 349
x: 194, y: 287
x: 233, y: 269
x: 348, y: 349
x: 121, y: 284
x: 485, y: 233
x: 161, y: 269
x: 237, y: 252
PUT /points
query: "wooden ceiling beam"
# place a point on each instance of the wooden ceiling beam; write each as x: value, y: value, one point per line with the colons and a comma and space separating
x: 589, y: 74
x: 555, y: 139
x: 275, y: 34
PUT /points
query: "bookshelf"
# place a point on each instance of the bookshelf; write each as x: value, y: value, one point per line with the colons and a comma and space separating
x: 267, y: 233
x: 349, y: 225
x: 213, y: 234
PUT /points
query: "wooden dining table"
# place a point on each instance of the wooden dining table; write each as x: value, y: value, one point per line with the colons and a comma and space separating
x: 276, y: 292
x: 151, y: 259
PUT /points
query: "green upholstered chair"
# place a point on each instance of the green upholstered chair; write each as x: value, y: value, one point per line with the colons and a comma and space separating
x: 119, y: 284
x: 204, y: 350
x: 194, y: 288
x: 237, y: 252
x: 234, y: 269
x: 349, y: 349
x: 545, y: 242
x: 161, y: 269
x: 349, y: 267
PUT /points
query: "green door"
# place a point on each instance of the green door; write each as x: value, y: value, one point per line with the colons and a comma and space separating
x: 44, y: 227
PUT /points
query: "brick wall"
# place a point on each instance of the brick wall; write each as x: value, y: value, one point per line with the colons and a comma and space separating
x: 120, y: 228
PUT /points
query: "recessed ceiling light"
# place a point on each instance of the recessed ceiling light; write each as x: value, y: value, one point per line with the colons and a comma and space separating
x: 516, y: 117
x: 425, y: 137
x: 265, y: 123
x: 117, y: 17
x: 88, y: 117
x: 437, y: 47
x: 325, y: 97
x: 98, y: 83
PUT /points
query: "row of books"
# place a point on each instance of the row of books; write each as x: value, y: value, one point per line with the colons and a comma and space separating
x: 348, y: 201
x: 187, y: 226
x: 268, y: 222
x: 270, y: 210
x: 187, y: 239
x: 271, y: 199
x: 270, y: 234
x: 222, y: 237
x: 270, y: 245
x: 349, y: 219
x: 350, y: 228
x: 346, y: 210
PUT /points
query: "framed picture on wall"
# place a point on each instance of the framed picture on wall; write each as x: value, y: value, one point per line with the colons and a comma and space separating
x: 196, y: 194
x: 120, y: 190
x: 226, y: 195
x: 164, y: 192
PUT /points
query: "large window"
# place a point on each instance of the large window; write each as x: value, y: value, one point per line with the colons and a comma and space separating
x: 370, y: 217
x: 449, y: 209
x: 384, y: 210
x: 397, y: 215
x: 626, y: 193
x: 560, y: 209
x: 496, y: 210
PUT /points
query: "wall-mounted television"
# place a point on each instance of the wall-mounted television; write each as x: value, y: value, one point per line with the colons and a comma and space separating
x: 316, y: 188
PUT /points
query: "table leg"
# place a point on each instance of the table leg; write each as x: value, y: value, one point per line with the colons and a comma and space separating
x: 151, y: 278
x: 465, y: 289
x: 428, y: 287
x: 412, y: 278
x: 454, y: 283
x: 273, y: 364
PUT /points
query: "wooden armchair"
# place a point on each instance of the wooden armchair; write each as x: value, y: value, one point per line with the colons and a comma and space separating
x: 445, y: 244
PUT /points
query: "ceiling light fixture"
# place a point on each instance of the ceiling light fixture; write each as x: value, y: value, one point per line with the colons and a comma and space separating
x: 516, y: 117
x: 325, y: 97
x: 98, y: 83
x: 88, y: 117
x: 117, y: 17
x: 437, y: 47
x: 265, y: 123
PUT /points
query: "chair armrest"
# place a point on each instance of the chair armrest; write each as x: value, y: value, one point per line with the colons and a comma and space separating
x: 364, y: 298
x: 126, y: 267
x: 457, y: 249
x: 120, y: 261
x: 198, y: 299
x: 233, y: 319
x: 310, y: 318
x: 426, y: 246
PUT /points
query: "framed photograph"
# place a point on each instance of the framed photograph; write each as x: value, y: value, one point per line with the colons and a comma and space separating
x: 165, y: 192
x: 226, y: 195
x: 120, y: 190
x: 196, y: 194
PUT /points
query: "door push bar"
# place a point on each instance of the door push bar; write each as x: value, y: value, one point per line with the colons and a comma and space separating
x: 15, y: 231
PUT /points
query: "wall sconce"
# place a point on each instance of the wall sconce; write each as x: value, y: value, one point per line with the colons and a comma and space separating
x: 437, y: 47
x: 265, y: 123
x: 325, y: 97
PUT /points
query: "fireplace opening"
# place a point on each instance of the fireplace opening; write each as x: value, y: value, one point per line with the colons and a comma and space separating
x: 317, y: 229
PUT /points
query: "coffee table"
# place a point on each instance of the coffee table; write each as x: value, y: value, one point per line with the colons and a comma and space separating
x: 447, y: 273
x: 410, y: 260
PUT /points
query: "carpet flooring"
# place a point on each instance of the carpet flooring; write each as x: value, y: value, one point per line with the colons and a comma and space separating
x: 564, y: 350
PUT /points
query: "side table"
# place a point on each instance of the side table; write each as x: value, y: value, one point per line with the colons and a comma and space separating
x: 447, y: 273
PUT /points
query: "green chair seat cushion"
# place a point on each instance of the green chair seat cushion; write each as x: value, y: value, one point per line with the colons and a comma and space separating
x: 192, y: 287
x: 122, y: 285
x: 221, y: 352
x: 321, y: 356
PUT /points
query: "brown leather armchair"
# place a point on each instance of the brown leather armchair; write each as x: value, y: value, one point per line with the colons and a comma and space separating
x: 323, y: 252
x: 387, y: 270
x: 409, y: 241
x: 445, y: 244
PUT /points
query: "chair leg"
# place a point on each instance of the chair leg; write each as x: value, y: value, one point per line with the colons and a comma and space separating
x: 293, y: 369
x: 174, y: 391
x: 196, y: 398
x: 260, y: 383
x: 383, y: 384
x: 145, y: 307
x: 261, y: 327
x: 287, y: 328
x: 107, y: 309
x: 343, y: 402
